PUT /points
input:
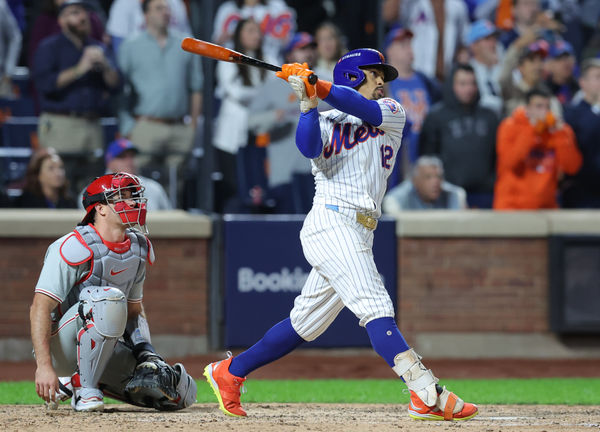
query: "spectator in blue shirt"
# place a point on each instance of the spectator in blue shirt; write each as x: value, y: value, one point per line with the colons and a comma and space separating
x: 413, y: 89
x: 74, y: 76
x: 581, y: 190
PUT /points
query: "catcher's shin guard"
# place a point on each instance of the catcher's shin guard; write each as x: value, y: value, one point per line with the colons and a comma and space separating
x: 104, y: 311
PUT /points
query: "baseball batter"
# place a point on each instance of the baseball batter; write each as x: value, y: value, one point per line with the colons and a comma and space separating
x: 87, y: 320
x: 352, y: 150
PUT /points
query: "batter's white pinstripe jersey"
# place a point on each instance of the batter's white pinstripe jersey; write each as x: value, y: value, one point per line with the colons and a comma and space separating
x: 357, y: 158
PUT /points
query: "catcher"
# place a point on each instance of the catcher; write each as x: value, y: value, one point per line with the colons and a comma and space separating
x: 87, y: 320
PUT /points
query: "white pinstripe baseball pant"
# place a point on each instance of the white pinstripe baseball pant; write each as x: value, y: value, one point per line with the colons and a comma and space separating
x: 340, y: 251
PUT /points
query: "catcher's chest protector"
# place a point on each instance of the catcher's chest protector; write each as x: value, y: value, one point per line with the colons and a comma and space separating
x: 112, y: 268
x: 108, y: 267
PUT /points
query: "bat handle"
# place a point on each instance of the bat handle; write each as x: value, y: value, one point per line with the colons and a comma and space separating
x: 312, y: 79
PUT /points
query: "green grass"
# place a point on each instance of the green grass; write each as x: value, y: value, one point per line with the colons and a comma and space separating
x: 570, y: 391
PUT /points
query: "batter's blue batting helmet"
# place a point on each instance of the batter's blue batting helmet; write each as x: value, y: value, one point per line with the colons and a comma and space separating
x: 348, y: 70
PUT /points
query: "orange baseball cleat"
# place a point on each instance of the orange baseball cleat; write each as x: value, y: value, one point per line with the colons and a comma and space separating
x: 454, y: 408
x: 226, y: 386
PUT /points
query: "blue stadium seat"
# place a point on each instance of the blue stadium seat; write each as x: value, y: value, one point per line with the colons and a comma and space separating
x: 19, y: 107
x: 18, y: 135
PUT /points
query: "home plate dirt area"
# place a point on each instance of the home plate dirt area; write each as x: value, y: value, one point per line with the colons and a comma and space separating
x: 300, y: 417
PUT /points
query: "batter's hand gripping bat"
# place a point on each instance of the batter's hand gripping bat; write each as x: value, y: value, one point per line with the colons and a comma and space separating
x: 217, y: 52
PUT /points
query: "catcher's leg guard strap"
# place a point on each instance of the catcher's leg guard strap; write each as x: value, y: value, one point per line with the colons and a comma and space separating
x: 417, y: 377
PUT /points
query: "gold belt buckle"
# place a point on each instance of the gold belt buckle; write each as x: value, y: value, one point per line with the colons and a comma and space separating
x: 366, y: 221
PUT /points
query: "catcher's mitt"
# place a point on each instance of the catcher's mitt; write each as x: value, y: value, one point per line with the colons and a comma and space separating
x: 153, y: 385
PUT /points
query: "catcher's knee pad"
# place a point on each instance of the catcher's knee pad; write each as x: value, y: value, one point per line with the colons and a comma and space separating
x: 107, y: 307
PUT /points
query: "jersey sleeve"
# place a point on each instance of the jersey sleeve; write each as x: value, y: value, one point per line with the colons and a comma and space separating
x: 137, y: 290
x: 393, y: 117
x: 57, y: 277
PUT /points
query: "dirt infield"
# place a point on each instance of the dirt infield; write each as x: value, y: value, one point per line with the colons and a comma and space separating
x: 324, y: 417
x: 300, y: 417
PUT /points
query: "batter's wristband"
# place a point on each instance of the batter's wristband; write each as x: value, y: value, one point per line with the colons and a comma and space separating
x: 323, y: 88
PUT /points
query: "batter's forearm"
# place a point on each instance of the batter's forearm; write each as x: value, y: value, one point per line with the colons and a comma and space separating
x: 308, y: 134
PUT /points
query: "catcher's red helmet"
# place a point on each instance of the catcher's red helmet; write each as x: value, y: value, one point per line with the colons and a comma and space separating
x: 124, y: 190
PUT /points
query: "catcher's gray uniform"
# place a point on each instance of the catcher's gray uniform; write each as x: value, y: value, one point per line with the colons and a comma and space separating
x: 91, y: 277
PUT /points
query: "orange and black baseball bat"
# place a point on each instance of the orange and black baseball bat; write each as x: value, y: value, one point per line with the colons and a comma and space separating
x: 217, y: 52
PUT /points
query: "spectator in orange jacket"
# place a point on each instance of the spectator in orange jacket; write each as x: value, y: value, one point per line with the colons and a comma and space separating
x: 533, y: 150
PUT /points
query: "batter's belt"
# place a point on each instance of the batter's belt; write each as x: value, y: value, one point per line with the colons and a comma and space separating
x: 368, y: 222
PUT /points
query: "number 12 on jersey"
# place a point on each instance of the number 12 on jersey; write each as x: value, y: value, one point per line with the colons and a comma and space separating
x: 386, y: 154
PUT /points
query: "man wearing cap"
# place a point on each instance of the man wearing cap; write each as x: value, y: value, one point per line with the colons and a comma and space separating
x: 74, y: 75
x: 121, y: 156
x: 482, y: 41
x: 561, y: 66
x: 413, y: 89
x: 522, y: 70
x: 276, y: 113
x: 581, y: 190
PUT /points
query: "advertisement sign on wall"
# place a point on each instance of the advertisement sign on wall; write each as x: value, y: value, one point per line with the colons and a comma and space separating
x: 265, y: 269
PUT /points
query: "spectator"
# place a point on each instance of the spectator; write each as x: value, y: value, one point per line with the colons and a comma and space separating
x: 525, y: 15
x: 47, y: 24
x: 126, y: 18
x: 463, y: 135
x: 528, y: 60
x: 439, y: 27
x: 164, y: 86
x: 425, y: 190
x: 46, y: 185
x: 581, y: 190
x: 120, y: 156
x: 413, y: 89
x: 276, y: 112
x: 534, y: 150
x: 74, y: 74
x: 275, y: 17
x: 238, y: 87
x: 561, y: 67
x: 10, y: 48
x: 330, y: 48
x: 483, y: 44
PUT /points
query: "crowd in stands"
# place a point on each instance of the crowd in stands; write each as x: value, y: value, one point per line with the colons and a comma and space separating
x: 502, y: 99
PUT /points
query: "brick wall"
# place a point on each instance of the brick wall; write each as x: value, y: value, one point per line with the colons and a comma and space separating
x: 175, y: 293
x: 472, y: 284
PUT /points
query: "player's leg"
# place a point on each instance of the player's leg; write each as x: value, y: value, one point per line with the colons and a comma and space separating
x: 227, y: 376
x: 63, y: 347
x: 354, y: 277
x: 104, y: 310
